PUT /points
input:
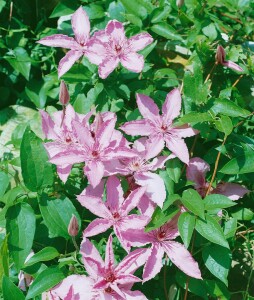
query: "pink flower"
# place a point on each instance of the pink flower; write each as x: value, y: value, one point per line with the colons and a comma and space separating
x: 160, y: 128
x: 118, y: 49
x: 196, y: 172
x: 221, y: 59
x: 114, y: 212
x: 80, y: 45
x: 162, y: 242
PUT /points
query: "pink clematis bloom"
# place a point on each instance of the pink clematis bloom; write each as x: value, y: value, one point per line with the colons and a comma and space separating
x: 114, y: 212
x: 79, y: 46
x: 220, y: 58
x: 160, y: 128
x: 196, y: 172
x: 162, y: 240
x: 118, y: 49
x: 113, y: 281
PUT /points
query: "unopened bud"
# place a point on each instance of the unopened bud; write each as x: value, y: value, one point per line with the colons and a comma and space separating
x: 179, y: 3
x: 220, y: 55
x: 73, y: 227
x: 64, y: 96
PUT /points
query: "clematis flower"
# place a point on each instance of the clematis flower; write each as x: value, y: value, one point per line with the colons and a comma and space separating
x: 162, y: 240
x: 114, y: 212
x: 79, y: 46
x: 196, y: 172
x: 160, y: 128
x: 118, y: 49
x: 220, y: 58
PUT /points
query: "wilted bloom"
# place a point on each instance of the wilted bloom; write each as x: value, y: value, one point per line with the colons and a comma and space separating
x: 118, y: 49
x: 162, y: 240
x: 73, y: 227
x: 196, y: 172
x: 64, y: 96
x: 115, y: 211
x: 221, y: 59
x: 160, y: 128
x: 78, y: 46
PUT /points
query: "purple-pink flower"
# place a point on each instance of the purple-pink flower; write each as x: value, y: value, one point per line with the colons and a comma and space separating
x: 160, y: 128
x: 114, y: 212
x: 221, y: 59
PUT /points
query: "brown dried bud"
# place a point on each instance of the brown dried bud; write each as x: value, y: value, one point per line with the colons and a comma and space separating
x: 179, y: 3
x: 64, y: 96
x: 73, y: 227
x: 220, y: 55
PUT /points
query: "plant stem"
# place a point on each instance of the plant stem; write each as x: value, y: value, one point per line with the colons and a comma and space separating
x: 75, y: 243
x: 235, y: 83
x: 248, y: 284
x: 164, y: 279
x: 210, y: 73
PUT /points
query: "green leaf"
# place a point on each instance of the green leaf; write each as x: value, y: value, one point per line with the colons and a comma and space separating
x: 57, y: 214
x: 4, y: 259
x: 63, y: 8
x: 77, y: 73
x: 2, y: 4
x: 186, y: 225
x: 4, y: 182
x: 217, y: 201
x: 244, y: 214
x: 193, y: 202
x: 45, y: 254
x: 148, y: 49
x: 11, y: 291
x: 224, y: 124
x: 94, y: 11
x: 211, y: 230
x: 173, y: 167
x: 217, y: 290
x: 45, y: 281
x: 240, y: 165
x: 210, y: 31
x: 136, y: 8
x: 229, y: 108
x: 230, y: 227
x: 20, y: 224
x: 37, y: 172
x: 116, y: 105
x: 194, y: 118
x: 165, y: 30
x: 160, y: 13
x: 116, y: 11
x: 218, y: 261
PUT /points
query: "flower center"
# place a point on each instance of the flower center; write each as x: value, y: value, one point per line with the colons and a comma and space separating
x: 161, y: 235
x: 110, y: 277
x: 108, y: 290
x: 116, y: 215
x: 95, y: 153
x: 118, y: 48
x: 67, y: 139
x: 164, y: 127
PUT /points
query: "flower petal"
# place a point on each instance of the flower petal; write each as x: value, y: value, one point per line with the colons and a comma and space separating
x: 184, y: 131
x: 80, y: 25
x: 132, y: 200
x: 182, y: 258
x: 94, y: 171
x: 139, y: 41
x: 105, y: 133
x: 146, y: 206
x: 196, y: 171
x: 154, y: 146
x: 108, y: 66
x: 47, y: 125
x: 154, y: 262
x: 139, y: 127
x: 178, y: 147
x: 109, y: 255
x: 114, y: 194
x: 59, y: 40
x: 68, y: 61
x: 147, y: 107
x: 97, y: 226
x: 231, y: 190
x: 172, y: 105
x: 133, y: 61
x: 230, y: 64
x: 116, y: 31
x: 68, y: 157
x: 96, y: 51
x: 63, y: 172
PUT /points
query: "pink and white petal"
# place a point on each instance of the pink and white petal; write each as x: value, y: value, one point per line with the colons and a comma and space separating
x: 97, y: 226
x: 137, y: 237
x: 48, y: 126
x: 133, y: 222
x: 158, y: 163
x: 196, y: 171
x: 231, y: 190
x: 154, y: 262
x: 54, y: 148
x: 96, y: 51
x: 109, y: 255
x: 184, y: 131
x: 63, y: 172
x: 95, y: 192
x: 114, y: 194
x: 138, y: 127
x: 134, y: 295
x: 95, y: 205
x: 105, y: 133
x: 172, y: 105
x: 148, y: 109
x: 230, y: 64
x: 133, y: 62
x: 146, y: 206
x: 182, y: 258
x: 116, y: 32
x: 83, y: 135
x: 125, y: 279
x: 154, y: 146
x: 132, y: 200
x: 118, y: 232
x: 140, y: 145
x: 178, y: 147
x: 94, y: 171
x: 139, y: 41
x: 92, y: 260
x: 120, y: 152
x: 68, y: 157
x: 80, y: 25
x: 68, y: 61
x: 59, y: 40
x: 155, y: 188
x: 108, y: 66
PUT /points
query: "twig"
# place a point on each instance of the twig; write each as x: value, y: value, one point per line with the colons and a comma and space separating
x: 235, y: 83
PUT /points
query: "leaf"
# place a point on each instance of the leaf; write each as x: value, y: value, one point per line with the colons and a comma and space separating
x: 37, y: 172
x: 186, y: 225
x: 194, y: 118
x: 217, y: 201
x: 56, y: 214
x: 230, y: 227
x: 94, y: 11
x: 63, y: 8
x: 148, y: 49
x: 4, y: 259
x: 224, y: 124
x: 20, y: 224
x: 229, y: 108
x: 77, y: 73
x: 211, y: 230
x: 116, y: 11
x: 160, y: 13
x: 210, y: 31
x: 173, y: 167
x: 166, y: 31
x: 116, y: 105
x: 44, y: 281
x: 4, y: 182
x: 11, y: 291
x: 217, y: 290
x: 244, y: 214
x: 192, y: 201
x: 240, y: 165
x: 136, y: 8
x: 46, y: 254
x: 218, y: 261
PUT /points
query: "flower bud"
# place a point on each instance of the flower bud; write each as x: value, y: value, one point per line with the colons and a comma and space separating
x: 64, y: 96
x: 179, y: 3
x: 220, y: 55
x: 73, y: 227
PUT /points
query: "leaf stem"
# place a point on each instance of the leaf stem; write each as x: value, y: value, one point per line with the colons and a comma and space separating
x: 210, y: 73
